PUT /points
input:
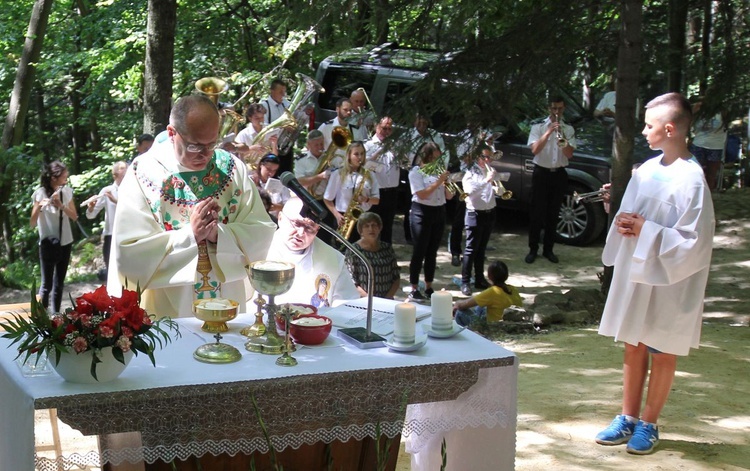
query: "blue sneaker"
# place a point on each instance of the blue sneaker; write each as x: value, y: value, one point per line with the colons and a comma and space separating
x: 619, y: 431
x: 644, y: 440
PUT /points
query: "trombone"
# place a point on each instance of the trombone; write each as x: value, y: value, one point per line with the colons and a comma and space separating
x: 341, y: 137
x: 362, y: 117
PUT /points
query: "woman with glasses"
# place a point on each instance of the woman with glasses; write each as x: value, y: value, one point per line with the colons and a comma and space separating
x: 350, y: 180
x: 427, y: 217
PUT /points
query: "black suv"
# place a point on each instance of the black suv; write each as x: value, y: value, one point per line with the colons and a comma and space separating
x: 388, y: 71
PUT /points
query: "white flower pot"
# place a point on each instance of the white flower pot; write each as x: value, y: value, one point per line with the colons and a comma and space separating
x: 76, y: 367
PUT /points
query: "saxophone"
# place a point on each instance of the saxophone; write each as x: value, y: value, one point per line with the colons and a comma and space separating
x: 354, y: 210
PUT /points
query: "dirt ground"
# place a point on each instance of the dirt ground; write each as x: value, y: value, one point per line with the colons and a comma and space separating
x: 569, y: 384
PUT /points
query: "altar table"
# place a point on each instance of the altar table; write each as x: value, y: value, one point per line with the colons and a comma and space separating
x: 462, y: 389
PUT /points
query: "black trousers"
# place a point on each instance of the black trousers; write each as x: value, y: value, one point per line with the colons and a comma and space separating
x: 386, y: 209
x: 479, y: 226
x: 427, y: 224
x: 457, y: 226
x: 547, y: 192
x: 54, y: 260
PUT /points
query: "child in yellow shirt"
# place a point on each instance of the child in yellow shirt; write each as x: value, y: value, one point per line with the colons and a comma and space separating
x: 490, y: 302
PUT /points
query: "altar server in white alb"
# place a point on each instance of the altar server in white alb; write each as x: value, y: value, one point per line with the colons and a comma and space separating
x: 321, y: 277
x: 184, y: 196
x: 660, y: 246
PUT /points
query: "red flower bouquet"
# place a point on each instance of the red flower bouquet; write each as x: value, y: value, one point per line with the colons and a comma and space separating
x: 97, y: 321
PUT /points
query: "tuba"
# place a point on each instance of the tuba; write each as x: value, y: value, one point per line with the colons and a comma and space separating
x: 299, y: 109
x: 290, y: 124
x: 354, y: 210
x: 213, y: 87
x: 341, y: 137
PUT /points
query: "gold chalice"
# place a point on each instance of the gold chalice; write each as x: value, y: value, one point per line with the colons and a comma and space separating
x: 270, y: 279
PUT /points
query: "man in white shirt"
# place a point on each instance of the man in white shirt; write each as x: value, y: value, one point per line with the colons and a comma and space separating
x: 306, y: 171
x: 362, y: 118
x: 321, y: 277
x: 276, y: 103
x: 343, y: 112
x: 386, y: 173
x: 552, y: 142
x: 421, y: 134
x: 107, y: 199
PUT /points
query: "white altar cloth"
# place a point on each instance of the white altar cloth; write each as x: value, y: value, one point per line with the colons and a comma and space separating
x: 486, y: 409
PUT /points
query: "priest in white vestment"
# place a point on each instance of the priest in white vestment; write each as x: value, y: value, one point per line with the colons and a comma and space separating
x: 321, y: 277
x: 660, y: 245
x: 184, y: 196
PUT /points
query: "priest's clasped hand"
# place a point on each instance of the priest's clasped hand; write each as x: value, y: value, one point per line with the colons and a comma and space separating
x: 205, y: 220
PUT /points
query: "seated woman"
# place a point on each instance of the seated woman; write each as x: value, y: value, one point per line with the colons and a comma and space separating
x: 386, y: 276
x: 490, y: 302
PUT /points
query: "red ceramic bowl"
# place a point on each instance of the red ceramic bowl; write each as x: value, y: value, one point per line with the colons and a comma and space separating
x: 310, y: 330
x: 299, y: 310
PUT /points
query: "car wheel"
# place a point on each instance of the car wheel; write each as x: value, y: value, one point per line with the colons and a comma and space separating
x: 580, y: 224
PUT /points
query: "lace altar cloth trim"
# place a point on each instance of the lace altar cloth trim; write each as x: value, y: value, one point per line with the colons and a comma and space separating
x: 220, y: 418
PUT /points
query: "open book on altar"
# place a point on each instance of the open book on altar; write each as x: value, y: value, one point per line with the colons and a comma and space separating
x: 354, y: 314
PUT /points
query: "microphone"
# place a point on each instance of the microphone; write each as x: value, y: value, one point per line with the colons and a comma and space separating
x: 316, y: 207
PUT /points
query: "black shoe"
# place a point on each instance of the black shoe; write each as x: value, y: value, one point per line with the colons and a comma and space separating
x: 456, y: 260
x: 481, y: 283
x: 466, y: 289
x: 416, y: 294
x: 428, y: 292
x: 551, y: 257
x: 530, y: 257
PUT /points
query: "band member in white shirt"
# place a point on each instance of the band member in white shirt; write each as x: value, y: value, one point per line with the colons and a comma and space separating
x: 346, y: 181
x: 306, y: 170
x: 276, y: 102
x: 362, y: 119
x: 427, y: 219
x: 387, y: 174
x: 552, y: 142
x: 479, y: 219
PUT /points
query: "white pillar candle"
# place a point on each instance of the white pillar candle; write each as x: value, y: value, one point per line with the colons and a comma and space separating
x: 405, y: 319
x: 442, y: 310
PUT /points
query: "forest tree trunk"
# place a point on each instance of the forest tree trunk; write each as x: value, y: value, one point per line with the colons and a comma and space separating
x: 19, y: 106
x: 158, y: 76
x: 628, y: 71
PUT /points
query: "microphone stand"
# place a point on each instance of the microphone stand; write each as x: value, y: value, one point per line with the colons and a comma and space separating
x: 359, y: 336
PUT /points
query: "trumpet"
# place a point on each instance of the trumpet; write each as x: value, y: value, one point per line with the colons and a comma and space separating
x: 562, y: 141
x: 591, y: 197
x: 498, y: 186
